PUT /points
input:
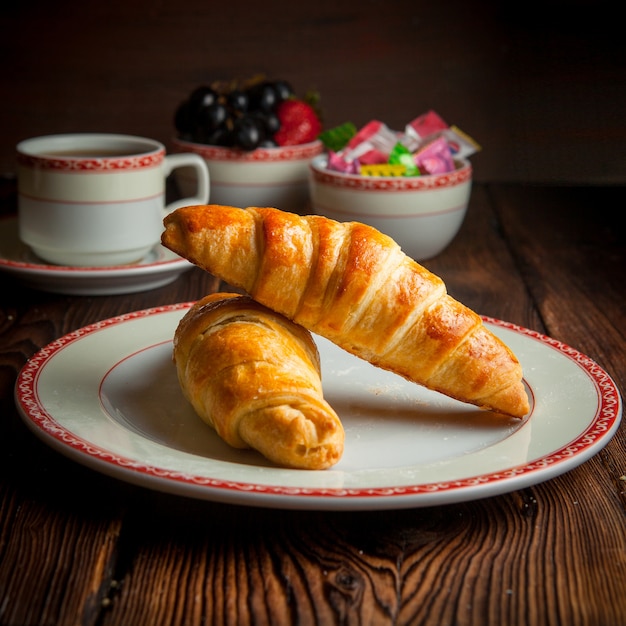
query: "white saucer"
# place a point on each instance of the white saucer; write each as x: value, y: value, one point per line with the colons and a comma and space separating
x: 125, y: 415
x: 158, y: 268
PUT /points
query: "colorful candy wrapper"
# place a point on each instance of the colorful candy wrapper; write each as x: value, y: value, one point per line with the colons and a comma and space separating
x: 338, y: 137
x: 435, y: 158
x: 401, y: 155
x: 427, y: 146
x: 384, y: 169
x: 337, y: 163
x: 427, y: 127
x: 372, y: 144
x: 421, y: 127
x: 365, y: 153
x: 368, y: 131
x: 461, y: 145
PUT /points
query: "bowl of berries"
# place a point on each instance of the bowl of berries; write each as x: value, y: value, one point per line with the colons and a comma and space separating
x: 257, y: 138
x: 413, y: 186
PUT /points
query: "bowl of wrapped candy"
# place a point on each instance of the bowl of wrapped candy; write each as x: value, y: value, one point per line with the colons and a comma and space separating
x: 413, y: 185
x: 257, y: 138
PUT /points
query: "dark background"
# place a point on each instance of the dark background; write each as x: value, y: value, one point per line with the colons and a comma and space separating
x: 540, y: 85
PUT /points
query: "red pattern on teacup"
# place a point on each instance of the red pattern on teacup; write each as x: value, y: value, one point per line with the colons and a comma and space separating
x: 85, y: 164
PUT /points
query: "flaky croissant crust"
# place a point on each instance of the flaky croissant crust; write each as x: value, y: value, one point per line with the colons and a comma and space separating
x: 254, y: 376
x: 353, y: 285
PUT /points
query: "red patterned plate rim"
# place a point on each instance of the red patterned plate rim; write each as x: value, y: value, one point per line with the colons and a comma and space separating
x: 569, y: 454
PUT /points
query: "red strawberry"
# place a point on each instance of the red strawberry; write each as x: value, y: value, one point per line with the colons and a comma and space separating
x: 299, y: 123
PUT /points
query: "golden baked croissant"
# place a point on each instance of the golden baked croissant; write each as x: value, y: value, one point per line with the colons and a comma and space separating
x: 254, y: 376
x: 353, y: 285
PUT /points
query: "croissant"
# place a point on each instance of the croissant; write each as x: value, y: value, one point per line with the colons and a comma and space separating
x: 254, y: 376
x: 352, y: 284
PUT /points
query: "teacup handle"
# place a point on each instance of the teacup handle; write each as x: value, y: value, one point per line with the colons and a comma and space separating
x: 174, y: 161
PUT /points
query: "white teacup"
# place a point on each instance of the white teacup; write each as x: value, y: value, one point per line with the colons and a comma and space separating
x: 88, y: 199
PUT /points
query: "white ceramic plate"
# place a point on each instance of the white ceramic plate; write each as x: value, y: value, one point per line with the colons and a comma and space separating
x: 158, y: 268
x: 107, y: 396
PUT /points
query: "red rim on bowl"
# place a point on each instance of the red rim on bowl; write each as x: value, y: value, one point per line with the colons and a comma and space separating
x: 461, y: 175
x: 219, y: 153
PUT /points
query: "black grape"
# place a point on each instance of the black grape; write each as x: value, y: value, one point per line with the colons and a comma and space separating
x: 248, y: 132
x: 263, y: 97
x: 283, y: 90
x: 211, y: 117
x: 201, y: 97
x: 231, y: 115
x: 237, y: 101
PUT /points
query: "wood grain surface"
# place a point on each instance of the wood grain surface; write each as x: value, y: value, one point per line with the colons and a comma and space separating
x: 78, y: 547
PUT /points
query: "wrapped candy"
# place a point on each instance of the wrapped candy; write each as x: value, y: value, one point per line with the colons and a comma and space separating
x: 337, y: 138
x: 338, y: 163
x: 401, y: 155
x: 461, y: 144
x: 372, y: 144
x: 435, y: 157
x: 383, y: 169
x: 428, y: 145
x: 424, y: 126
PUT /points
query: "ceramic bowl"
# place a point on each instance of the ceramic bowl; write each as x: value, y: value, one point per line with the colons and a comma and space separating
x: 422, y: 213
x: 276, y: 177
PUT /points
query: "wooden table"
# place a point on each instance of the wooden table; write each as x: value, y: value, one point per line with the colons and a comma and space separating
x: 78, y: 547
